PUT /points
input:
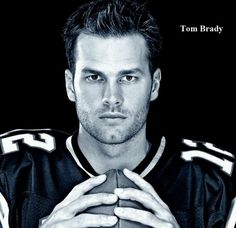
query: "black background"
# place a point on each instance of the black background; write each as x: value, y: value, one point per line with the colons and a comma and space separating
x: 197, y: 95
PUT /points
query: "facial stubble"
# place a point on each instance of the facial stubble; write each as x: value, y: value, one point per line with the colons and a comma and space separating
x: 119, y: 134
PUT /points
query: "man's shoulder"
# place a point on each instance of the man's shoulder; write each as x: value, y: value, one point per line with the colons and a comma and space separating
x: 196, y: 176
x: 203, y: 155
x: 20, y: 141
x: 27, y: 152
x: 195, y: 168
x: 37, y: 162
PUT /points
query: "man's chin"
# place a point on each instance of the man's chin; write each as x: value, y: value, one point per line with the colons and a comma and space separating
x: 111, y: 139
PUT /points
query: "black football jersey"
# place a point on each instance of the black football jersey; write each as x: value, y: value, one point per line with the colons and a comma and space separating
x: 38, y: 168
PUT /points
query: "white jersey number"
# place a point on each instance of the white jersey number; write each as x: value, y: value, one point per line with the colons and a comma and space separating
x: 225, y: 164
x: 10, y: 144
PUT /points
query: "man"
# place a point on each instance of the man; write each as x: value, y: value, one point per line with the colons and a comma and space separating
x: 111, y: 47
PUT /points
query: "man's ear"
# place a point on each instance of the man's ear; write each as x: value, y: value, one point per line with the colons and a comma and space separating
x: 69, y: 85
x: 155, y: 84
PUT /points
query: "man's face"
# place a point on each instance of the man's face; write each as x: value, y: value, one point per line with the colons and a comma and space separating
x: 112, y: 86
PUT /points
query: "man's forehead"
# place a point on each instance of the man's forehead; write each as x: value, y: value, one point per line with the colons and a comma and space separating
x: 111, y: 49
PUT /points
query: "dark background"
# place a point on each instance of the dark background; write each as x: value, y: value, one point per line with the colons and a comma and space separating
x: 197, y: 95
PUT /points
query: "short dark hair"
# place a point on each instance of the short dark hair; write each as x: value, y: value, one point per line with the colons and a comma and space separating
x: 113, y: 18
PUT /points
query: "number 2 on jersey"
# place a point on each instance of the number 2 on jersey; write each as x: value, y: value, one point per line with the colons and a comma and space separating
x: 10, y: 144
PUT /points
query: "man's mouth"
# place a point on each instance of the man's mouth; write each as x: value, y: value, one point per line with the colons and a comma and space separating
x: 112, y: 116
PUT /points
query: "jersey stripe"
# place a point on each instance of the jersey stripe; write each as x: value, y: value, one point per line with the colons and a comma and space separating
x: 212, y: 147
x: 155, y: 158
x: 189, y: 142
x: 4, y: 212
x: 231, y: 220
x: 15, y: 130
x: 71, y: 150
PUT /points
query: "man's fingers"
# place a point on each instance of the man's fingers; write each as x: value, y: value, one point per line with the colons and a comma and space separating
x: 81, y: 204
x: 81, y: 189
x: 139, y: 181
x: 146, y: 199
x: 141, y: 216
x: 144, y: 185
x: 93, y: 220
x: 90, y: 200
x: 86, y: 186
x: 85, y: 220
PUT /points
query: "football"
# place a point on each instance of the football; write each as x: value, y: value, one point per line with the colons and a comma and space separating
x: 116, y: 179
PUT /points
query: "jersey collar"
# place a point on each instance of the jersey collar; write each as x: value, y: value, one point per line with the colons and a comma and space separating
x: 144, y: 167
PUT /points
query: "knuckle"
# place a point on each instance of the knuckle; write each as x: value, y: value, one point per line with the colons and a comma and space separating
x: 87, y: 200
x: 107, y: 220
x: 148, y: 197
x: 59, y: 206
x: 91, y: 198
x: 76, y: 189
x: 103, y: 219
x: 80, y: 188
x: 59, y: 214
x: 104, y: 195
x: 149, y: 187
x: 170, y: 221
x: 107, y: 197
x: 166, y: 207
x: 169, y: 217
x: 148, y: 216
x: 81, y: 218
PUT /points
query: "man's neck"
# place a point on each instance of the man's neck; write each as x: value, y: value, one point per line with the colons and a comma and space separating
x: 103, y: 157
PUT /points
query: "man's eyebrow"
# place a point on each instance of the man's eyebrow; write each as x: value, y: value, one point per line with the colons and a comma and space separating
x: 122, y: 72
x: 131, y: 71
x: 92, y: 71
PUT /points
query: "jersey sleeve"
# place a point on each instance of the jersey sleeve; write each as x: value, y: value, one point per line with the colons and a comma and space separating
x: 20, y: 149
x: 222, y: 162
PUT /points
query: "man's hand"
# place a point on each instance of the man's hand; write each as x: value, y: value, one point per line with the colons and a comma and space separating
x: 65, y: 213
x: 159, y: 217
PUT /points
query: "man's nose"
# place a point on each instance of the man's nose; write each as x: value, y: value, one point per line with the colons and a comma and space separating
x: 112, y: 95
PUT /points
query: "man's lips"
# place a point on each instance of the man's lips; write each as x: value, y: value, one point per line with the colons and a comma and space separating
x: 112, y: 116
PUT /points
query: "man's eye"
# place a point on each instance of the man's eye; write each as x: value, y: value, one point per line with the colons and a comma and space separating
x: 128, y: 78
x: 94, y: 78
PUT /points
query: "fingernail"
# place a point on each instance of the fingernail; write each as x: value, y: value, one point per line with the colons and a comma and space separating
x: 118, y: 210
x: 112, y: 197
x: 102, y: 177
x: 112, y: 219
x: 126, y: 170
x: 118, y: 191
